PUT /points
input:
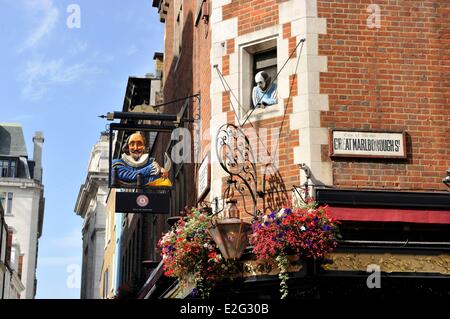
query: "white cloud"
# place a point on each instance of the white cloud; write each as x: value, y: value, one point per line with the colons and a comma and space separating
x: 131, y: 50
x: 58, y: 261
x: 39, y: 76
x: 22, y: 118
x: 48, y: 14
x: 72, y: 239
x: 101, y: 58
x: 78, y: 47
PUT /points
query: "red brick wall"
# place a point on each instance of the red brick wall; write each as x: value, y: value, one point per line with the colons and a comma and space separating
x: 189, y: 75
x: 252, y: 15
x: 392, y: 78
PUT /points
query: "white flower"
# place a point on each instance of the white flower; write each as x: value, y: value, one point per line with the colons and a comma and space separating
x: 302, y: 228
x: 281, y: 213
x: 205, y: 245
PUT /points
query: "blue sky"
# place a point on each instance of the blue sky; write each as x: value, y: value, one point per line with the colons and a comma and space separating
x: 57, y: 80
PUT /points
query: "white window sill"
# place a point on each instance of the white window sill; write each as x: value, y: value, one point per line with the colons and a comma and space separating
x: 260, y: 114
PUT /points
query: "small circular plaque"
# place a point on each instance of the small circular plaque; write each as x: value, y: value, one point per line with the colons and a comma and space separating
x: 142, y: 200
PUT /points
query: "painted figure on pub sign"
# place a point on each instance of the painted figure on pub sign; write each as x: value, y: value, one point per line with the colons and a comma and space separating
x: 136, y: 167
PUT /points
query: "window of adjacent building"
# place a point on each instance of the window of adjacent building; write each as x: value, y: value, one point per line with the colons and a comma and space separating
x: 113, y: 275
x: 4, y: 168
x: 14, y: 258
x: 256, y: 57
x: 8, y: 168
x: 3, y: 239
x: 201, y: 12
x: 107, y: 230
x: 13, y: 169
x: 3, y: 199
x: 7, y: 202
x: 105, y: 283
x: 178, y: 28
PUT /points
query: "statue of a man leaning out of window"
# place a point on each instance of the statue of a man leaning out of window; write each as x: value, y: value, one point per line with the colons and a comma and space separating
x: 265, y: 91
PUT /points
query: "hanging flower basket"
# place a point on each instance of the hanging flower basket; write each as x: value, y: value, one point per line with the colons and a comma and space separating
x: 308, y: 232
x: 190, y: 254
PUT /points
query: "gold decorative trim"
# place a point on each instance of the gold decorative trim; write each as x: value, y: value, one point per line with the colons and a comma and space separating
x: 390, y: 262
x: 258, y: 268
x: 182, y: 289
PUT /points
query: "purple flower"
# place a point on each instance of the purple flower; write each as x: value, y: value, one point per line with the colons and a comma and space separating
x: 194, y: 292
x: 326, y: 227
x: 315, y: 220
x: 272, y: 215
x: 266, y: 223
x: 288, y: 211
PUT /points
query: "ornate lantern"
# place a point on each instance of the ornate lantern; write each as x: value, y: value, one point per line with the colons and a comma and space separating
x: 230, y: 233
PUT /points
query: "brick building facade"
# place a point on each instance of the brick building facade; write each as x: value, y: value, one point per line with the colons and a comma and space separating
x: 391, y: 78
x: 363, y: 67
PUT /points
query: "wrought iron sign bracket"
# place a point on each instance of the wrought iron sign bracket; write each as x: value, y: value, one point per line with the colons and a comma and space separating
x: 236, y: 157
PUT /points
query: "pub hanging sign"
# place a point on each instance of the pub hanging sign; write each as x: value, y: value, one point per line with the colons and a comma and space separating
x: 367, y: 144
x: 157, y: 202
x: 144, y: 183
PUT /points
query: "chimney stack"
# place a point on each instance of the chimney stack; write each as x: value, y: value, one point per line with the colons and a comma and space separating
x: 38, y: 140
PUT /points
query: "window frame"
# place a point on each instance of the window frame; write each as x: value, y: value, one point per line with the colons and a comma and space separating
x: 106, y: 283
x: 3, y: 197
x: 6, y: 199
x: 9, y: 203
x: 11, y: 167
x: 249, y: 46
x: 13, y: 173
x: 178, y: 31
x: 261, y: 53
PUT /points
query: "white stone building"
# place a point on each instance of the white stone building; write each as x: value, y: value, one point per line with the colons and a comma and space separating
x: 10, y: 284
x: 21, y: 193
x: 91, y: 206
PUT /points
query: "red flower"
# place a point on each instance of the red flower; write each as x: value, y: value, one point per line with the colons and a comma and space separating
x: 212, y: 254
x: 300, y: 232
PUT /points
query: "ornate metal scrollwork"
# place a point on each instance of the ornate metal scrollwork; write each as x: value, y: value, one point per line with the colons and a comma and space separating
x: 236, y: 158
x: 275, y: 190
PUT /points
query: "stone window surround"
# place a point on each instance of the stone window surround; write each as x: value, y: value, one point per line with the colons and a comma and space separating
x: 247, y: 45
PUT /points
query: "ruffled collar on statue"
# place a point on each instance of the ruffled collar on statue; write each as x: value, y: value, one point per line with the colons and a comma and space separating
x: 129, y: 160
